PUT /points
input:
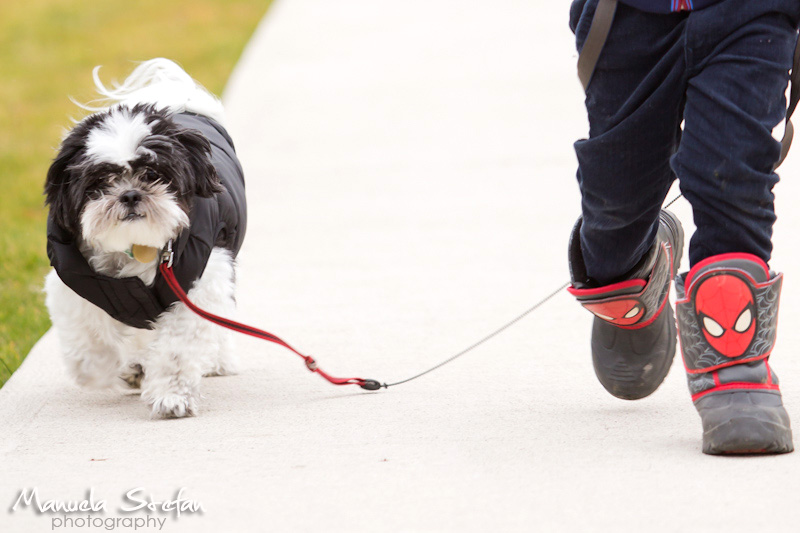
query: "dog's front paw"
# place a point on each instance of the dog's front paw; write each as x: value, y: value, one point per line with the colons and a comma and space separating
x: 174, y: 406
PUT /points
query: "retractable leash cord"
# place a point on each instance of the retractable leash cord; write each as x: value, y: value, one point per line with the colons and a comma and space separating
x: 165, y: 267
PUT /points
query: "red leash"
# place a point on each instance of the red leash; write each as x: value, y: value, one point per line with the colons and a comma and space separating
x: 166, y: 270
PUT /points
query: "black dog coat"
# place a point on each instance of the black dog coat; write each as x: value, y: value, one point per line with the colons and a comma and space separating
x: 214, y: 222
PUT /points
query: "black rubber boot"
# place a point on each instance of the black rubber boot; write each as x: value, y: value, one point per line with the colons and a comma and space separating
x: 633, y: 335
x: 727, y: 317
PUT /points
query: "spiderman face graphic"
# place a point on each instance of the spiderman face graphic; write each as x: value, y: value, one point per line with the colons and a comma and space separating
x: 725, y: 307
x: 623, y: 312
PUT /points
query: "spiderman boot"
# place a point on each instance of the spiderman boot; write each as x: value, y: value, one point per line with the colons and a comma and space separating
x: 727, y: 319
x: 633, y: 335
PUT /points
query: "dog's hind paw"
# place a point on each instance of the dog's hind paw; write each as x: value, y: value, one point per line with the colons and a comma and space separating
x: 132, y: 376
x: 229, y: 368
x: 174, y: 406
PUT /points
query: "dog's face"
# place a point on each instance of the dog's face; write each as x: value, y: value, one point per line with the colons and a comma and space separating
x: 127, y: 176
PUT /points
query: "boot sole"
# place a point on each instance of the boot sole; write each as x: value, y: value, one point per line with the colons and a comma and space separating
x: 741, y: 422
x: 747, y: 436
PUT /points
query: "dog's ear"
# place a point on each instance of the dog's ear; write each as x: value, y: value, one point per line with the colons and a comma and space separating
x: 59, y: 176
x: 206, y: 180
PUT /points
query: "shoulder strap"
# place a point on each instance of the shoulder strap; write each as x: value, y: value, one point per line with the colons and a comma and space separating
x: 794, y: 98
x: 595, y: 40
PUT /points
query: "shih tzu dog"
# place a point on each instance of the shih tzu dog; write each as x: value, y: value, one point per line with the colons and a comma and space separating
x: 150, y: 170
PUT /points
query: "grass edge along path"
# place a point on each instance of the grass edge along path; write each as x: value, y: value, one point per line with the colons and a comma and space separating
x: 47, y: 51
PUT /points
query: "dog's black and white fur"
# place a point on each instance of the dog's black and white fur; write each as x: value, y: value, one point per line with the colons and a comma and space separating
x: 128, y: 175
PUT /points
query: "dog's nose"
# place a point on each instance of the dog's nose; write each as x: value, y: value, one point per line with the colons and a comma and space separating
x: 131, y: 198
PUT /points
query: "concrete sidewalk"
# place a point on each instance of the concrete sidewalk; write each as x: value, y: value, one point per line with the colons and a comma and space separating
x: 411, y: 188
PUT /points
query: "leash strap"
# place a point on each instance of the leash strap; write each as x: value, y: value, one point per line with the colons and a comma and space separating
x: 165, y: 267
x: 596, y: 40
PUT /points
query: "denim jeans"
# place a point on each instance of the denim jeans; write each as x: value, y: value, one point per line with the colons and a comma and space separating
x: 722, y: 72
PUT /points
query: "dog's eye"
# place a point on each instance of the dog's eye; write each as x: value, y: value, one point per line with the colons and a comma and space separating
x: 151, y: 175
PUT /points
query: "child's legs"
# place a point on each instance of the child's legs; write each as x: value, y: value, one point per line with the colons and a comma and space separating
x: 634, y: 105
x: 734, y: 99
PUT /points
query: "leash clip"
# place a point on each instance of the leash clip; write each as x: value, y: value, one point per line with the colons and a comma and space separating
x: 311, y: 364
x: 370, y: 384
x: 167, y: 255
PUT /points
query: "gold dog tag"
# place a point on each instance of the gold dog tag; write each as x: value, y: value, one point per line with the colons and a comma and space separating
x: 144, y: 254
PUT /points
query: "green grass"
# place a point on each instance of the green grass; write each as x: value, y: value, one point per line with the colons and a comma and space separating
x: 47, y: 51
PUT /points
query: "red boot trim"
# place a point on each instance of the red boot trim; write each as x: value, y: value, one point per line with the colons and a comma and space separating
x: 736, y: 386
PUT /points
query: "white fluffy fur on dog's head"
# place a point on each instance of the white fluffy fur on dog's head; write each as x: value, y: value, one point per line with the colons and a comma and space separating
x: 128, y: 176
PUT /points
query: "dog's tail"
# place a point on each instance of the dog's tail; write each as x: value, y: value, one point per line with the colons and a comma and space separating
x: 161, y: 82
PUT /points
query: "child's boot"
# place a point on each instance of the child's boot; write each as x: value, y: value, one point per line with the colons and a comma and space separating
x: 727, y: 318
x: 633, y: 335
